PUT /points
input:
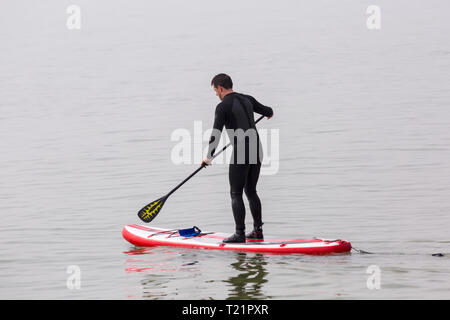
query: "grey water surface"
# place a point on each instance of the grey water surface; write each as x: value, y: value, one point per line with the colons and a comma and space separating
x: 86, y: 119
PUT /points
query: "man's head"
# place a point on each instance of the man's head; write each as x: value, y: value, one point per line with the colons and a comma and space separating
x: 222, y: 85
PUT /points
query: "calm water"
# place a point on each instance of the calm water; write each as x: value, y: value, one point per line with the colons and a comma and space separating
x: 86, y: 118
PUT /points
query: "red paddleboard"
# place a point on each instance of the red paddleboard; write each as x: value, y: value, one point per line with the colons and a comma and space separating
x: 143, y: 236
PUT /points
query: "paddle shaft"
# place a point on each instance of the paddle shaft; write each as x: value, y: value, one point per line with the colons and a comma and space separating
x: 203, y: 166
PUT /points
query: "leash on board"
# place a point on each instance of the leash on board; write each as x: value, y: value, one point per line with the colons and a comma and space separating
x: 361, y: 251
x: 366, y: 252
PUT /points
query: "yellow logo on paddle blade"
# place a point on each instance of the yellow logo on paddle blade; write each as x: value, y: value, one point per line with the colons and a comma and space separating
x: 149, y: 212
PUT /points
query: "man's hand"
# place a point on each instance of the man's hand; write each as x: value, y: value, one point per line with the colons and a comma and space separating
x: 206, y: 162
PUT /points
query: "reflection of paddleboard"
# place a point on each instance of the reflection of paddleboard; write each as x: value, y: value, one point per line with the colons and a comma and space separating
x: 144, y: 236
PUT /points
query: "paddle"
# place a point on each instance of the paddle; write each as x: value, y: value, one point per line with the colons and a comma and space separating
x: 151, y: 210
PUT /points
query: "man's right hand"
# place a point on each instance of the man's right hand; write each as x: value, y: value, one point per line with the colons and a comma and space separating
x: 206, y: 162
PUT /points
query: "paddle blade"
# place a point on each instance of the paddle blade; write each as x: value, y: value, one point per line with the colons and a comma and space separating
x: 150, y: 211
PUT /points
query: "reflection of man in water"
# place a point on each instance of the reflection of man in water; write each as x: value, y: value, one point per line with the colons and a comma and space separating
x: 249, y: 282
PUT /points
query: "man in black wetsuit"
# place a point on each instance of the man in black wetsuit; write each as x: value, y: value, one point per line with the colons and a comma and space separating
x: 235, y: 111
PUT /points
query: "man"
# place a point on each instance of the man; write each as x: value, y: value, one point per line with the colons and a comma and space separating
x: 235, y: 112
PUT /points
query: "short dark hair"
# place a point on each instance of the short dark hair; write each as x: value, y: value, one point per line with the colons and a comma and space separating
x: 222, y: 80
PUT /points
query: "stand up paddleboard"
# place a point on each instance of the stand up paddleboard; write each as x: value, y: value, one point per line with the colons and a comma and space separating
x: 143, y: 236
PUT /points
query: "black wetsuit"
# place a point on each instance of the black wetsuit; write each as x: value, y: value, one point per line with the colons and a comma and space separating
x: 236, y: 112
